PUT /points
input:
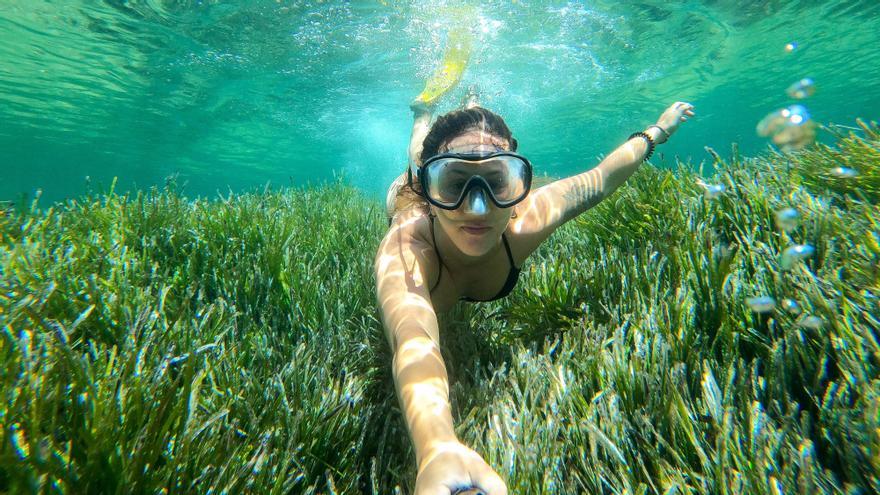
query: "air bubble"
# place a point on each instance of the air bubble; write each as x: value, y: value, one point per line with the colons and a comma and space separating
x: 811, y: 322
x: 711, y: 191
x: 802, y: 89
x: 796, y: 253
x: 787, y: 219
x: 791, y: 306
x: 790, y: 128
x: 761, y: 304
x: 776, y: 121
x: 844, y: 172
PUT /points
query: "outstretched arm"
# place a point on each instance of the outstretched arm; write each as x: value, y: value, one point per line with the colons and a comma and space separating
x: 419, y: 372
x: 411, y: 328
x: 554, y: 204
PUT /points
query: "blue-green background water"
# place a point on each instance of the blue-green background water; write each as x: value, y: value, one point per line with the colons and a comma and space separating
x: 232, y: 95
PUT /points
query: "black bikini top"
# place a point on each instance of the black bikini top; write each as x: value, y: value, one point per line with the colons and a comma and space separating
x: 509, y: 284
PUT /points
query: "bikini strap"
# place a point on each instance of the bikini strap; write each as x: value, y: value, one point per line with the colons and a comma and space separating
x: 437, y: 250
x: 507, y: 248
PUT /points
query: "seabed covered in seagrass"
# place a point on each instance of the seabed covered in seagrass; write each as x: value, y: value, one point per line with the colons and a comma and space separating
x: 157, y: 344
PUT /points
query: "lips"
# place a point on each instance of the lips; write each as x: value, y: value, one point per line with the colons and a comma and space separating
x: 476, y: 229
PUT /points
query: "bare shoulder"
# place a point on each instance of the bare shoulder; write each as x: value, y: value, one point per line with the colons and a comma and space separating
x: 530, y: 226
x: 409, y: 227
x: 408, y: 242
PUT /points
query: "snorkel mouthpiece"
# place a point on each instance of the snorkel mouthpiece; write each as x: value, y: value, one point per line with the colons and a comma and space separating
x: 476, y: 202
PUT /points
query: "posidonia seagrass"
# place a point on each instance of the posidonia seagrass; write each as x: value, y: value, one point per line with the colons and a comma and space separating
x: 156, y: 343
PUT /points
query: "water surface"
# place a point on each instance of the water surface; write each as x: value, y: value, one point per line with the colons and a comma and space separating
x: 231, y: 97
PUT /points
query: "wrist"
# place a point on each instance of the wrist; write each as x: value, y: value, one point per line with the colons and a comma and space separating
x: 435, y: 449
x: 657, y: 133
x: 433, y: 435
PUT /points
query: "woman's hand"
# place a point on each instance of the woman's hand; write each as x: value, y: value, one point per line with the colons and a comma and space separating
x: 452, y: 466
x: 673, y: 117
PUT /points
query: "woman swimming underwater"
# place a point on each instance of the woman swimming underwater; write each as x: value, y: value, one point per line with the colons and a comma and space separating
x: 463, y: 219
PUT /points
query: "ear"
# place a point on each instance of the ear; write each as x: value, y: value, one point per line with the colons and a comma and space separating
x: 513, y: 144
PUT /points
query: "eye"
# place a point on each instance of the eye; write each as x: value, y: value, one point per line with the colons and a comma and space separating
x: 496, y: 182
x: 452, y: 185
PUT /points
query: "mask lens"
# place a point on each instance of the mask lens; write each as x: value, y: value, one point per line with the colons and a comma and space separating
x: 447, y: 179
x: 506, y: 176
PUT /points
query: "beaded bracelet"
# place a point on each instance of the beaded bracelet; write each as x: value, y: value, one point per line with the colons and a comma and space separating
x: 648, y: 139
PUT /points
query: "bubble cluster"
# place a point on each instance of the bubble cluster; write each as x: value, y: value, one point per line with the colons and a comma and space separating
x: 790, y: 128
x: 787, y: 220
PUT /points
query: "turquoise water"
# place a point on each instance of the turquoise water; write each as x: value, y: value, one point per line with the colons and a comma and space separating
x: 234, y: 96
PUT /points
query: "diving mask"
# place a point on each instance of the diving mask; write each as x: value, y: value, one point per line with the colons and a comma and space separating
x: 446, y: 179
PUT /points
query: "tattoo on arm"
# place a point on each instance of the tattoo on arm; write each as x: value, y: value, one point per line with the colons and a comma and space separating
x: 584, y: 193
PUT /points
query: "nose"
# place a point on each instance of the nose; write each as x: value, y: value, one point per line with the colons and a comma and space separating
x: 476, y: 202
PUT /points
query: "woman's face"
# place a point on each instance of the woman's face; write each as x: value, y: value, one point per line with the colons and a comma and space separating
x: 476, y: 226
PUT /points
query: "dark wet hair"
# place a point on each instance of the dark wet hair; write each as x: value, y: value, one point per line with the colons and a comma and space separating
x: 446, y: 128
x: 455, y: 123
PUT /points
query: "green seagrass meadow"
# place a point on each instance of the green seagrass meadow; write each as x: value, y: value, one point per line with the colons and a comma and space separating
x: 153, y: 343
